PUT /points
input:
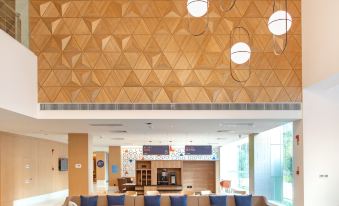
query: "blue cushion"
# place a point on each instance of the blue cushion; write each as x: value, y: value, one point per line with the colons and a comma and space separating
x: 88, y: 200
x: 178, y: 200
x: 115, y: 200
x: 152, y: 200
x: 243, y: 200
x: 218, y: 200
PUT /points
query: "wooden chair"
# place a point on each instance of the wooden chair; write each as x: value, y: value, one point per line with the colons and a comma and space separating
x: 121, y: 186
x: 226, y: 185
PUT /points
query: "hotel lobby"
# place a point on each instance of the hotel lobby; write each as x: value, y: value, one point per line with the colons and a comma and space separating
x: 169, y: 102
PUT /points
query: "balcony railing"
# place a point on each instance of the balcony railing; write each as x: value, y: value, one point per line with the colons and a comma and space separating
x: 10, y: 20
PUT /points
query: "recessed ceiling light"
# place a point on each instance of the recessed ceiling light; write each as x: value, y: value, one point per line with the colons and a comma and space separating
x: 118, y: 131
x: 248, y: 124
x: 118, y: 138
x: 223, y: 130
x: 214, y: 143
x: 106, y: 125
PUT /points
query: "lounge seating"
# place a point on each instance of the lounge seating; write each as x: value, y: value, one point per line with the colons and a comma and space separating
x: 165, y: 201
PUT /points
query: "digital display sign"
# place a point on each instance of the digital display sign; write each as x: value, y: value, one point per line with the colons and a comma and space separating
x: 198, y: 150
x: 155, y: 150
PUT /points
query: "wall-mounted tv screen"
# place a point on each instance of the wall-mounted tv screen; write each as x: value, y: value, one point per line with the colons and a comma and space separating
x: 155, y: 150
x: 198, y: 150
x: 63, y: 164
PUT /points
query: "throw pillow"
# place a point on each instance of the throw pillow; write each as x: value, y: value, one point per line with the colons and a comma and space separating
x: 152, y: 200
x: 116, y: 200
x: 243, y: 200
x: 218, y: 200
x: 88, y: 200
x: 179, y: 200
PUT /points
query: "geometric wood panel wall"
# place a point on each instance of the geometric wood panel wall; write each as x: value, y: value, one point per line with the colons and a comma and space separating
x: 120, y: 51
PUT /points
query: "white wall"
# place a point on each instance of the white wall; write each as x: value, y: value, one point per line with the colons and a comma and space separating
x: 320, y: 46
x: 298, y: 184
x: 320, y: 101
x: 321, y: 147
x: 18, y: 79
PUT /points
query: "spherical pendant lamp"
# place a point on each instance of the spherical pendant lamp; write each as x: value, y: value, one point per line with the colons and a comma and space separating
x: 280, y: 22
x: 240, y: 53
x: 197, y: 8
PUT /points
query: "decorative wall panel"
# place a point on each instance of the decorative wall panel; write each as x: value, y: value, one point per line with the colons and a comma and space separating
x: 140, y: 51
x: 130, y: 154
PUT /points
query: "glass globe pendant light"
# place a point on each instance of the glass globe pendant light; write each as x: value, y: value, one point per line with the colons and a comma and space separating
x: 240, y: 53
x: 279, y: 24
x: 197, y: 8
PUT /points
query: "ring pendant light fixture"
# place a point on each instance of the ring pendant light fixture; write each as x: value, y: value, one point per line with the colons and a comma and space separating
x: 240, y: 52
x: 231, y: 5
x: 197, y: 9
x: 279, y: 24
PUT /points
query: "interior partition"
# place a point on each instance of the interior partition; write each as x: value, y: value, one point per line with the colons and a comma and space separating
x: 80, y: 164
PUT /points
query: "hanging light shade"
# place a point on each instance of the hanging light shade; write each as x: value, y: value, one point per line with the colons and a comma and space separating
x: 240, y: 53
x: 280, y: 22
x: 197, y: 8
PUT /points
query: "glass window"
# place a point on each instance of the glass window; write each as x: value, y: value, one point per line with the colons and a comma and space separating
x: 273, y: 164
x: 234, y: 164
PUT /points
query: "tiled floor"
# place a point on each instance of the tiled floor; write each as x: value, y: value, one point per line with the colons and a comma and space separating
x: 57, y: 199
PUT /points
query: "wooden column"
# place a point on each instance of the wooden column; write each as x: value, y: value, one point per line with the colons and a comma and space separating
x: 114, y: 161
x: 80, y: 176
x: 251, y: 162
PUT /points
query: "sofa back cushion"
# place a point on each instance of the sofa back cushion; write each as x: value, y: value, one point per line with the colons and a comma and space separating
x: 88, y: 200
x: 165, y: 200
x: 115, y: 200
x: 243, y: 200
x: 178, y: 200
x: 218, y: 200
x: 152, y: 200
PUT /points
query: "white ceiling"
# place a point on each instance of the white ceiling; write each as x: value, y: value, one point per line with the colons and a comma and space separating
x: 138, y: 132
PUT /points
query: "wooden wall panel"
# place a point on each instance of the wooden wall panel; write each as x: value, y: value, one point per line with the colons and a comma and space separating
x: 119, y: 51
x: 200, y: 175
x: 26, y: 167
